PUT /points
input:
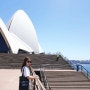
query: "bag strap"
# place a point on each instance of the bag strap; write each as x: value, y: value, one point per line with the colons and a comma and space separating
x: 23, y: 72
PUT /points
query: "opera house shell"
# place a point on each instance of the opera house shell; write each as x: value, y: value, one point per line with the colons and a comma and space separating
x: 19, y: 35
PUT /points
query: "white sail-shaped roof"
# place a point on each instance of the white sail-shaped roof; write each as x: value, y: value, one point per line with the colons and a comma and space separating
x: 21, y: 25
x: 13, y: 42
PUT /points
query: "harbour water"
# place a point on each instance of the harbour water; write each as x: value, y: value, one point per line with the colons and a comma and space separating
x: 86, y: 66
x: 84, y: 63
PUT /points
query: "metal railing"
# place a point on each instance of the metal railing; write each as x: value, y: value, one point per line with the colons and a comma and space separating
x: 44, y: 85
x: 79, y: 67
x: 85, y: 71
x: 45, y: 81
x: 46, y: 67
x: 39, y: 85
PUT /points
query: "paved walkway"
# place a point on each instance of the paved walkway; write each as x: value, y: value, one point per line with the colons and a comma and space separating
x: 9, y: 79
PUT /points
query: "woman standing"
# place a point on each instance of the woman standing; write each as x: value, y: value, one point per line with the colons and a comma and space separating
x: 26, y: 70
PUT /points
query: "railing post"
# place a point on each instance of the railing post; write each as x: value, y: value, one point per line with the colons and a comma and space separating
x: 87, y: 73
x: 38, y: 83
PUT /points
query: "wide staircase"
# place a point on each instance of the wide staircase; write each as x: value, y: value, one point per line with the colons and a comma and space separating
x: 55, y: 75
x: 14, y: 61
x: 67, y: 80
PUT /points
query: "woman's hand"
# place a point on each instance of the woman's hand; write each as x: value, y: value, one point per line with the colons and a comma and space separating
x: 33, y: 77
x: 36, y: 76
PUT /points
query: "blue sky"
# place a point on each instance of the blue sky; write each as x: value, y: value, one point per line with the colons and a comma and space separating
x: 61, y: 25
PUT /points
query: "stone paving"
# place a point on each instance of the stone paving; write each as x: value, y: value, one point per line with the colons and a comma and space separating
x: 9, y: 79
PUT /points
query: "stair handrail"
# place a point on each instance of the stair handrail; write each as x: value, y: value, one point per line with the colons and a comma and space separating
x: 38, y: 82
x: 86, y: 73
x: 45, y: 80
x: 80, y: 68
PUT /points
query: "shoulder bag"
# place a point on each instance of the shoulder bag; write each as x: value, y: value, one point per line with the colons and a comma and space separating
x: 23, y: 82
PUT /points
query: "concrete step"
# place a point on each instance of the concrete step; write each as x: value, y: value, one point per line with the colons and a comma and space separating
x: 13, y: 60
x: 70, y: 88
x: 66, y: 80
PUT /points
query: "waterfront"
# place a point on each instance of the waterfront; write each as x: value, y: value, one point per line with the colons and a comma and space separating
x: 84, y: 63
x: 86, y: 66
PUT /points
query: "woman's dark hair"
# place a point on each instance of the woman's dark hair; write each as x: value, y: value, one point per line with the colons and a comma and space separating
x: 24, y: 62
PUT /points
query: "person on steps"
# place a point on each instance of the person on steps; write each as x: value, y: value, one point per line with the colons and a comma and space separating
x: 26, y: 70
x: 57, y: 57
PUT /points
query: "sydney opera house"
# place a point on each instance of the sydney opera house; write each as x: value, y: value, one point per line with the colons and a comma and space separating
x: 19, y: 35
